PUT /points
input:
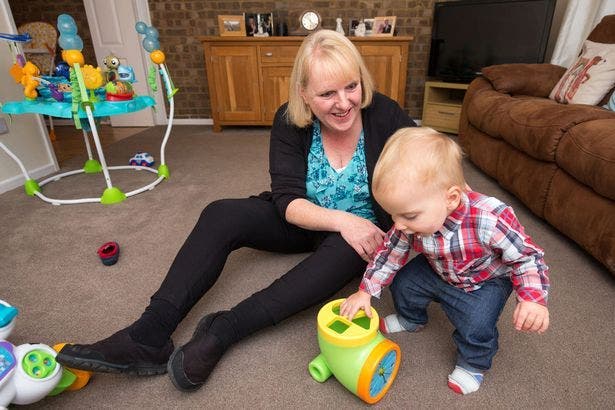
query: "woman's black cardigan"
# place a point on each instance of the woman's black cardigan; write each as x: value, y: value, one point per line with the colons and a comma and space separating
x: 290, y: 145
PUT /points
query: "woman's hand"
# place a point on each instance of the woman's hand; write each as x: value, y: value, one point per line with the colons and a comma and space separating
x: 361, y: 234
x: 355, y: 302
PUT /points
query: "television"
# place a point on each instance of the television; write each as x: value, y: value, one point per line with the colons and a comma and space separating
x: 468, y: 35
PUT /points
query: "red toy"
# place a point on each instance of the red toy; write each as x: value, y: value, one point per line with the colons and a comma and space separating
x: 109, y: 253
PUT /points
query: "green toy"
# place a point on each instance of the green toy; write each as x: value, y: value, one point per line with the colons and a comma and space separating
x: 355, y: 352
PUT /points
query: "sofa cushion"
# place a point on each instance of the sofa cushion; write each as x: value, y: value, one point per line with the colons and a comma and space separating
x: 532, y: 125
x: 536, y: 80
x: 482, y: 149
x: 583, y: 215
x: 527, y: 178
x: 589, y: 78
x: 587, y: 153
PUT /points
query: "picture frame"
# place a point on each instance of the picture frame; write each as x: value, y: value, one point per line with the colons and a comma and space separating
x: 251, y: 24
x: 352, y: 25
x: 369, y: 25
x: 384, y: 26
x: 259, y: 24
x: 232, y: 25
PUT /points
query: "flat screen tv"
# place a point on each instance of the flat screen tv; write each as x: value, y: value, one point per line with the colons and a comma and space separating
x: 468, y: 35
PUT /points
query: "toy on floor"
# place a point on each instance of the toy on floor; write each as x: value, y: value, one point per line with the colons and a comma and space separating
x: 87, y: 93
x: 82, y: 377
x: 355, y: 352
x: 109, y: 253
x: 28, y: 372
x: 143, y: 159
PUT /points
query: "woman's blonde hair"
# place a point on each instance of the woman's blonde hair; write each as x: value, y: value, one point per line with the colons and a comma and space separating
x: 419, y: 155
x: 339, y: 58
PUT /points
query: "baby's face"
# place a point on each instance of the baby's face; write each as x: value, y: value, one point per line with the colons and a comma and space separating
x: 417, y: 209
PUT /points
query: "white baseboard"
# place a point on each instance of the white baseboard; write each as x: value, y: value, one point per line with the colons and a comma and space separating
x: 19, y: 180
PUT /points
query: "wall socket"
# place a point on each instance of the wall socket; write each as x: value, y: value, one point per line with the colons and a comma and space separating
x: 4, y: 129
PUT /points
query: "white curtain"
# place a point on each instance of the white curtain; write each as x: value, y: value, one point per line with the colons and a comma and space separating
x: 580, y: 17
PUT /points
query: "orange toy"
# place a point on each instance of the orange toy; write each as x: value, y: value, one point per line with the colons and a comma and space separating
x: 27, y: 76
x: 83, y: 376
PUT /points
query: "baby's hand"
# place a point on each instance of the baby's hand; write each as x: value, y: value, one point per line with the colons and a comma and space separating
x: 531, y: 317
x: 354, y: 302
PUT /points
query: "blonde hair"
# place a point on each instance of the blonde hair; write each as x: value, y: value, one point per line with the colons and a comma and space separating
x: 339, y: 57
x: 418, y: 155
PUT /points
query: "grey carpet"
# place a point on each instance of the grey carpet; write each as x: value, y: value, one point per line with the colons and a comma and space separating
x: 49, y: 270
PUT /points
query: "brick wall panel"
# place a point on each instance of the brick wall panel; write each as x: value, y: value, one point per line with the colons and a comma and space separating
x: 180, y: 22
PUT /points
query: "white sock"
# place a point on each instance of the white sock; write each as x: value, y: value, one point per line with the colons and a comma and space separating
x: 463, y: 381
x: 395, y: 323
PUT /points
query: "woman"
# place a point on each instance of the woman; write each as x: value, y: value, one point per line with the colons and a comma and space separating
x: 324, y: 144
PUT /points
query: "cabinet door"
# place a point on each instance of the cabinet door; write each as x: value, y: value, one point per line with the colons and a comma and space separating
x: 384, y: 63
x: 276, y: 83
x: 235, y: 83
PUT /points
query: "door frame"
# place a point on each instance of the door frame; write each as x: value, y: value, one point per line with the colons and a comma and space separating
x: 141, y: 11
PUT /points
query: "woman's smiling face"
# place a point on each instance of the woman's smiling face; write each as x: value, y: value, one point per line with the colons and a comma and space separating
x: 335, y: 102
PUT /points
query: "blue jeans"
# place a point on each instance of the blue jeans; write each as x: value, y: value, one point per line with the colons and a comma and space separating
x: 473, y: 314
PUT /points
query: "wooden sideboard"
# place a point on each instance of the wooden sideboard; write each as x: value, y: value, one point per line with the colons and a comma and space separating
x: 249, y: 77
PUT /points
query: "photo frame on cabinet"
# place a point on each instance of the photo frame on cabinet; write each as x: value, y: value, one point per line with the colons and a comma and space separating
x: 369, y: 25
x: 232, y: 25
x: 259, y: 24
x: 251, y: 24
x: 384, y: 26
x: 352, y: 25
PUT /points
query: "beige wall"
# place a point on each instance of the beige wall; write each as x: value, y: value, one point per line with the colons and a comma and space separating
x: 27, y: 137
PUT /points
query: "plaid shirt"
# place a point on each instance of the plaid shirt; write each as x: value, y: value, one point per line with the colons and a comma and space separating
x: 480, y: 240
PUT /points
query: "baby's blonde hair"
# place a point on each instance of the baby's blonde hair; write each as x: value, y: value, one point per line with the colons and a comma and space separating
x: 418, y: 155
x: 340, y: 58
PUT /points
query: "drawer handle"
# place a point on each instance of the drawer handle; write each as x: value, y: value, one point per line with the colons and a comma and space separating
x: 446, y: 113
x: 269, y: 54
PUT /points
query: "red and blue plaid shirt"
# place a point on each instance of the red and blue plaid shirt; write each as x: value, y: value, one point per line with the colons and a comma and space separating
x: 480, y: 240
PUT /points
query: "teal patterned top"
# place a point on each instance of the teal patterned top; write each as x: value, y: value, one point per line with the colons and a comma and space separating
x: 344, y: 190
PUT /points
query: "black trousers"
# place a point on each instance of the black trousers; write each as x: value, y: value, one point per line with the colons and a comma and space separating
x: 230, y: 224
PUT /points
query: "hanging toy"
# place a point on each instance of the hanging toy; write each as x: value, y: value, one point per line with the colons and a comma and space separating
x: 152, y: 45
x: 71, y: 45
x: 111, y: 62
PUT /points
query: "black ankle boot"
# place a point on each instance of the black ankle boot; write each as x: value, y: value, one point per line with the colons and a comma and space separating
x: 191, y: 364
x: 118, y: 353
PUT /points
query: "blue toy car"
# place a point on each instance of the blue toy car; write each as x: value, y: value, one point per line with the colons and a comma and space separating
x: 143, y: 159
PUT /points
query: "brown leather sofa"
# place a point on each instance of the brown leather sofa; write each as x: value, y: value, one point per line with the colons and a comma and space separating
x: 558, y: 159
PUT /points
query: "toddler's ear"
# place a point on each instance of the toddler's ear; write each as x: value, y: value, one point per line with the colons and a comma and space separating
x: 453, y: 197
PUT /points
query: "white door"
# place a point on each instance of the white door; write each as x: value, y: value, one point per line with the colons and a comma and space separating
x: 112, y: 26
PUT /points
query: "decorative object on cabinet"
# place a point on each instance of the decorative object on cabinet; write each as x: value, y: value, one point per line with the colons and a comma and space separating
x: 251, y: 24
x: 369, y: 25
x: 338, y: 26
x: 249, y: 78
x: 384, y: 26
x: 352, y: 25
x: 232, y: 25
x: 309, y: 21
x: 359, y: 31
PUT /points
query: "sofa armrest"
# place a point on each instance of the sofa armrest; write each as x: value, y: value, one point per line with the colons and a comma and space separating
x: 536, y: 80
